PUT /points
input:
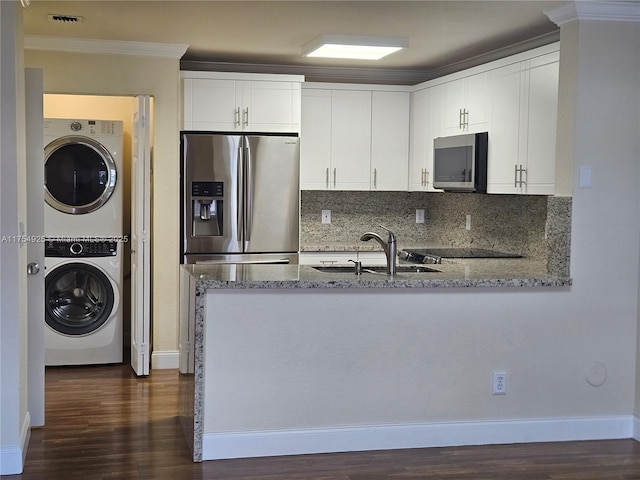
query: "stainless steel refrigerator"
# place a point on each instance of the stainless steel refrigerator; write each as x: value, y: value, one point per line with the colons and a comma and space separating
x: 240, y: 198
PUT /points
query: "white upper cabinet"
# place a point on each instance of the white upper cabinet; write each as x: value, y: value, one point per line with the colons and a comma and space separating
x: 522, y: 141
x: 542, y: 119
x: 467, y: 105
x: 335, y: 143
x: 350, y: 139
x: 422, y: 133
x: 390, y: 140
x: 241, y: 102
x: 315, y: 140
x: 354, y: 138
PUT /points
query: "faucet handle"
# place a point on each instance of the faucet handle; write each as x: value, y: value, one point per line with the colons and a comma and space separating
x: 392, y: 236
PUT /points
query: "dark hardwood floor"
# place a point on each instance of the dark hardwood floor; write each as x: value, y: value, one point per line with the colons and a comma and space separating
x: 104, y: 423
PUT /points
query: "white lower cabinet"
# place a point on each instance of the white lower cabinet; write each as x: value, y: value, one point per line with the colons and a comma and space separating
x: 522, y: 139
x: 354, y: 139
x: 342, y: 258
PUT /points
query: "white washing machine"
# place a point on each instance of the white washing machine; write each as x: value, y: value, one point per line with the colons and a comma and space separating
x: 83, y: 307
x: 83, y: 177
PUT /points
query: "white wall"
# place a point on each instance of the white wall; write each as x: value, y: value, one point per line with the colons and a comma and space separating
x: 125, y: 75
x: 14, y: 417
x: 607, y: 135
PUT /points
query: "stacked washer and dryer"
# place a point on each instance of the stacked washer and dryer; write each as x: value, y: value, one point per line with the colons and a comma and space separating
x: 84, y: 241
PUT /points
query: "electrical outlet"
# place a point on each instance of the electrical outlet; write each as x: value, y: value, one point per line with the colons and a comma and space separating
x: 419, y: 215
x: 468, y: 223
x: 499, y: 383
x: 326, y: 216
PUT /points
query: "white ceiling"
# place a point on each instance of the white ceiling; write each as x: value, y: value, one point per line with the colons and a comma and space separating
x: 440, y: 33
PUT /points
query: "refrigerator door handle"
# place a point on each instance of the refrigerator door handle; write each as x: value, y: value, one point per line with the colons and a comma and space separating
x: 239, y: 194
x: 248, y: 193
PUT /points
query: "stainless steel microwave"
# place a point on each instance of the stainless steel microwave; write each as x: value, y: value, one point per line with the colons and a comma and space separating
x: 460, y: 163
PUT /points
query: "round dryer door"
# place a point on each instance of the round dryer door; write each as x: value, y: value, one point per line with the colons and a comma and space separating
x: 79, y: 174
x: 79, y: 298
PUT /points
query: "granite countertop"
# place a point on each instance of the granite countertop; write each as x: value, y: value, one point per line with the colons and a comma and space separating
x: 451, y: 273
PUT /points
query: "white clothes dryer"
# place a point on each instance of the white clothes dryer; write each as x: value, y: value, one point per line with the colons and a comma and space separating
x: 83, y: 308
x: 83, y: 178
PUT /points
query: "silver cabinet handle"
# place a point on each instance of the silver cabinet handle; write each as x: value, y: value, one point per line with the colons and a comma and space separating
x: 237, y: 114
x: 334, y: 178
x: 518, y: 181
x: 515, y: 177
x: 246, y: 117
x: 375, y: 178
x: 463, y: 121
x: 33, y: 268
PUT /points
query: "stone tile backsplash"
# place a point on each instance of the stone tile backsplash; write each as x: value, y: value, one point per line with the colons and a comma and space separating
x: 508, y: 223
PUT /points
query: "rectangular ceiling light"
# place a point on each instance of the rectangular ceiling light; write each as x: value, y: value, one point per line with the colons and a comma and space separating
x: 359, y: 47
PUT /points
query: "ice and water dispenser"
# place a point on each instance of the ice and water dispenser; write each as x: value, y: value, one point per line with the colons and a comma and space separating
x: 207, y: 209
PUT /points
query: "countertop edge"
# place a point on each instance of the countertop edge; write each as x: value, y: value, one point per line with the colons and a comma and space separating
x: 203, y: 285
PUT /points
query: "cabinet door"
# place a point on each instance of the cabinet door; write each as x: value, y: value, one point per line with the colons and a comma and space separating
x: 542, y: 120
x: 478, y: 102
x: 315, y: 139
x: 504, y: 138
x: 211, y: 104
x: 389, y: 140
x: 453, y: 106
x: 270, y: 106
x: 421, y: 141
x: 350, y: 139
x: 467, y: 105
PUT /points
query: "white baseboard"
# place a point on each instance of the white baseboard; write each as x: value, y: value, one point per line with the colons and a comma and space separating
x: 12, y: 457
x: 165, y: 360
x: 388, y: 437
x: 636, y: 428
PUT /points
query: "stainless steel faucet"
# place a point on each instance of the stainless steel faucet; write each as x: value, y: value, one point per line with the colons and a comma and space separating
x: 390, y: 247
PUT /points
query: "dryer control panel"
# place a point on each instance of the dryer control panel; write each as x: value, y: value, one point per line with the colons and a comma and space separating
x: 80, y: 248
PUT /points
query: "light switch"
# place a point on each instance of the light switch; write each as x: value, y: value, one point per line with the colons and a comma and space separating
x: 585, y: 177
x: 326, y: 216
x: 419, y: 215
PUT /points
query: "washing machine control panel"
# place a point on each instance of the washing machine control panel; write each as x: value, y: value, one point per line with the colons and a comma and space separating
x: 80, y: 248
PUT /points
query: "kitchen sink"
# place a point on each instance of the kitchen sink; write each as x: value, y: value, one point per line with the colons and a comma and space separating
x: 379, y: 269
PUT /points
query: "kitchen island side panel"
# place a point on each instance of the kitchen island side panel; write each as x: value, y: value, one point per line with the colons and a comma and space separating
x: 318, y: 360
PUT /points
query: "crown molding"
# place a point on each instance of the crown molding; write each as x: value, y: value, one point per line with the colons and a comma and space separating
x: 313, y: 73
x: 108, y: 47
x: 380, y: 76
x: 628, y: 11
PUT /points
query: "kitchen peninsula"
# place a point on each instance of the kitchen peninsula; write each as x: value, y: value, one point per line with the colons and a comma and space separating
x: 286, y: 359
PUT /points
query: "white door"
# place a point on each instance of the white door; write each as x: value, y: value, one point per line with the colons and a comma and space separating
x: 35, y: 244
x: 140, y: 238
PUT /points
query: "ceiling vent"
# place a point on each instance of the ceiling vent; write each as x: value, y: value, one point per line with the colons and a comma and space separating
x: 64, y: 18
